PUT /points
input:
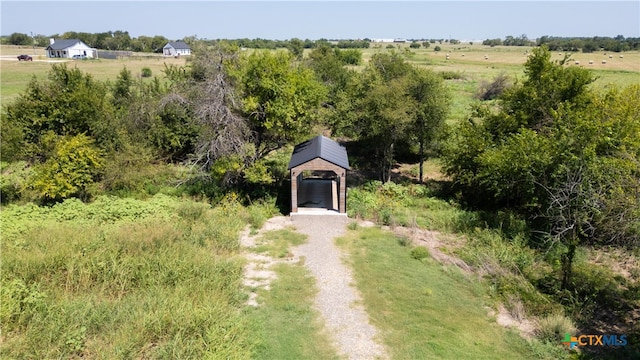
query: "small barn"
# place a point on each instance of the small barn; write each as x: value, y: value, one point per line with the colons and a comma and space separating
x: 176, y: 48
x: 318, y: 169
x: 67, y: 48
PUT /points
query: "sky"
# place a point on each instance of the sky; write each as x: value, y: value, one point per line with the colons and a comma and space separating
x: 462, y: 20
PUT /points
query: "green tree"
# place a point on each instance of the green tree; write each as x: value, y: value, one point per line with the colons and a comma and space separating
x: 431, y: 105
x: 296, y: 46
x: 378, y: 109
x: 122, y: 89
x: 281, y: 99
x: 20, y: 39
x: 68, y: 102
x: 557, y: 153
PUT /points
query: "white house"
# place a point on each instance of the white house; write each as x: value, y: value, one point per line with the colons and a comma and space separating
x: 176, y: 48
x: 67, y: 48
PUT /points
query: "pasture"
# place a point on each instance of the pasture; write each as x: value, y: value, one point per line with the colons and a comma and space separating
x: 466, y: 63
x: 15, y: 75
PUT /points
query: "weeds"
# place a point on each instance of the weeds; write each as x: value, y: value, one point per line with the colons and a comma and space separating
x: 122, y: 278
x: 553, y: 328
x: 419, y: 252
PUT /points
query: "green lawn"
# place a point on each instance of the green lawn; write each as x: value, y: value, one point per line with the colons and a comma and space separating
x: 426, y: 310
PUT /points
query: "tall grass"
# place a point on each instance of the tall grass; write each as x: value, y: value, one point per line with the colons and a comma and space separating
x: 123, y: 278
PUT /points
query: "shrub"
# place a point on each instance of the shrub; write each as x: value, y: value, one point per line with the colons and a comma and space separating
x: 13, y: 180
x: 145, y: 72
x: 437, y: 48
x: 451, y: 75
x: 350, y: 56
x: 419, y: 252
x: 414, y: 45
x: 553, y: 327
x: 70, y: 171
x: 492, y: 90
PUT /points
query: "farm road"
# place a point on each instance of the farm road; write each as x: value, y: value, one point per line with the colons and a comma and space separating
x: 337, y: 301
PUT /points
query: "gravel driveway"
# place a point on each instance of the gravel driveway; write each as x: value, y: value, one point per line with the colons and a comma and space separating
x: 337, y: 300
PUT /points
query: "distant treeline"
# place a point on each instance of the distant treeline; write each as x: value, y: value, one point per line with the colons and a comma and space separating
x: 110, y: 40
x: 596, y: 43
x: 584, y: 44
x: 121, y: 40
x: 307, y: 44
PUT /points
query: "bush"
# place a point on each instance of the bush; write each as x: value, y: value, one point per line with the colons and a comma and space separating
x: 350, y: 56
x: 437, y: 48
x: 70, y: 171
x: 492, y: 90
x: 145, y: 72
x: 553, y: 328
x: 414, y: 45
x: 419, y: 252
x: 13, y: 180
x: 451, y: 75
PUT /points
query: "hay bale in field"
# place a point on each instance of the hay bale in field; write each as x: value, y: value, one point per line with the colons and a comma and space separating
x: 604, y: 61
x: 590, y: 62
x: 577, y: 62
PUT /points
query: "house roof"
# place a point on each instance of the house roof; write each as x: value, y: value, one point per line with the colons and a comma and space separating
x: 319, y: 147
x: 178, y: 45
x: 63, y: 44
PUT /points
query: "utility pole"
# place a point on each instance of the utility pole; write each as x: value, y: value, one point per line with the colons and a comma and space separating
x: 33, y: 41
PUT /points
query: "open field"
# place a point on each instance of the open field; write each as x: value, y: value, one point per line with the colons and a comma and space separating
x: 466, y: 61
x: 15, y: 75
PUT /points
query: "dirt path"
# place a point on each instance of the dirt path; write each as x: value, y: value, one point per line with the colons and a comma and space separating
x: 337, y: 300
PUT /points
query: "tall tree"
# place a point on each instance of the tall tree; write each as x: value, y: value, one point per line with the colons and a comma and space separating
x: 280, y: 98
x: 431, y: 105
x: 378, y: 108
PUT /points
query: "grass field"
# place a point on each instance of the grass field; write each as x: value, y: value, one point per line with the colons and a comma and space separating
x: 427, y: 310
x: 467, y: 60
x: 15, y: 75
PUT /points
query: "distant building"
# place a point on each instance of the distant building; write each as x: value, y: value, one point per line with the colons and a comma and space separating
x: 68, y: 48
x: 176, y: 48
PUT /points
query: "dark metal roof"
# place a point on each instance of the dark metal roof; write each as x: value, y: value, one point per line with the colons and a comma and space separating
x: 63, y: 44
x: 319, y: 147
x: 178, y: 45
